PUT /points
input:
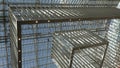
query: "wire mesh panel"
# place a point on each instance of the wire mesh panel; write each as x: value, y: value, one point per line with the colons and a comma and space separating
x: 61, y: 13
x: 37, y: 42
x: 36, y: 46
x: 3, y: 56
x: 3, y: 32
x: 113, y: 54
x: 78, y: 49
x: 4, y: 44
x: 31, y: 34
x: 112, y: 58
x: 82, y: 3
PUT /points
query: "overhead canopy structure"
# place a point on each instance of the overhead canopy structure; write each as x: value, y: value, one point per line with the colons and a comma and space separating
x: 60, y: 14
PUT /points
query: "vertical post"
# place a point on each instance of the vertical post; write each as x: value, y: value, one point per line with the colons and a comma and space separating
x: 35, y: 29
x: 106, y: 28
x: 71, y: 59
x: 104, y: 56
x: 19, y: 45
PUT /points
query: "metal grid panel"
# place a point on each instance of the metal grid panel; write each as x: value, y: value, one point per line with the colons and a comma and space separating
x: 29, y: 33
x: 57, y: 14
x: 37, y: 40
x: 3, y: 59
x: 82, y: 3
x: 113, y: 53
x: 89, y: 58
x: 43, y: 33
x: 78, y: 48
x: 4, y: 44
x: 33, y: 1
x: 85, y: 38
x: 37, y: 46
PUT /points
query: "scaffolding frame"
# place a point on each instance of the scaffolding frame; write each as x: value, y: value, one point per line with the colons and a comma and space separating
x: 67, y: 18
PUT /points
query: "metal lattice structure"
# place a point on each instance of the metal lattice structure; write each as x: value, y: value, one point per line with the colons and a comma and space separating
x: 30, y: 24
x: 78, y: 48
x: 5, y: 60
x: 29, y: 14
x: 113, y: 52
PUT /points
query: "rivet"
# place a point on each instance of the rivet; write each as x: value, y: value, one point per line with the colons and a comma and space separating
x: 19, y: 50
x: 19, y: 61
x: 48, y: 20
x: 19, y: 39
x: 36, y: 21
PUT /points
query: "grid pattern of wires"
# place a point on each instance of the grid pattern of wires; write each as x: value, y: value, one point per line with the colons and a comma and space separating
x: 78, y: 48
x: 4, y: 40
x: 26, y: 2
x: 37, y: 40
x: 58, y: 13
x: 82, y: 3
x: 34, y: 59
x: 113, y: 55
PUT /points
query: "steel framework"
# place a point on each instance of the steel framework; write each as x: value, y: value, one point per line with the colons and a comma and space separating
x: 78, y: 48
x: 22, y: 16
x: 32, y: 14
x: 4, y: 23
